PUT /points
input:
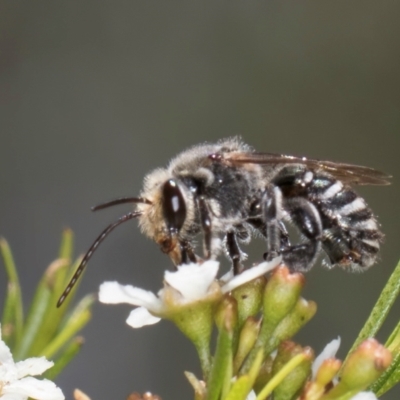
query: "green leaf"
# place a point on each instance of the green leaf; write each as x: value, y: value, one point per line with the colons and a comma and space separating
x: 380, y: 310
x: 78, y: 319
x: 49, y: 318
x: 394, y: 339
x: 65, y: 252
x: 13, y: 315
x: 67, y: 245
x: 65, y: 358
x: 37, y: 313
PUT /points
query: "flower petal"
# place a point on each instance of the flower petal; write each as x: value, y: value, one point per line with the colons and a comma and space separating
x: 193, y: 280
x: 114, y: 293
x: 5, y: 353
x: 140, y: 317
x: 12, y: 396
x: 33, y: 366
x: 251, y: 395
x: 35, y: 388
x: 329, y: 351
x: 364, y: 396
x: 251, y: 274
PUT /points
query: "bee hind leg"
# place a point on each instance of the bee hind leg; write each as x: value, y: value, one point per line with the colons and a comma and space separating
x: 306, y: 217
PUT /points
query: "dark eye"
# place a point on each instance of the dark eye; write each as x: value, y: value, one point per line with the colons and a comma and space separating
x: 174, y: 206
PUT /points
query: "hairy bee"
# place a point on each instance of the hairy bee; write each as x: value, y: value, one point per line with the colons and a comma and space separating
x: 228, y: 192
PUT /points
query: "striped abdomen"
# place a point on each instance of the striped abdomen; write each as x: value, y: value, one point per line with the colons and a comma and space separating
x: 351, y: 234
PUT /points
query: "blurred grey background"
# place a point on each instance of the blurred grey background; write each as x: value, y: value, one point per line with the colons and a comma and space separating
x: 95, y: 94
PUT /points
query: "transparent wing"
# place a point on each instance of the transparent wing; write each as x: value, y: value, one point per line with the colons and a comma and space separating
x: 349, y: 173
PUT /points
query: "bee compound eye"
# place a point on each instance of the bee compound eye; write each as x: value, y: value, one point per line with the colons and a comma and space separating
x: 174, y: 206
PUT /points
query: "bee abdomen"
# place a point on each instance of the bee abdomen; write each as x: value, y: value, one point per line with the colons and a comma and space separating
x: 351, y: 233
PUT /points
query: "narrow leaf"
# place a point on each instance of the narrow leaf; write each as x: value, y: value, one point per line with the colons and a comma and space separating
x: 65, y: 358
x: 78, y: 319
x: 13, y: 315
x: 37, y: 313
x: 380, y: 310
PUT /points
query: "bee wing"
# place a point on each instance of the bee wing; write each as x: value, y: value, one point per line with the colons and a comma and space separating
x: 348, y: 173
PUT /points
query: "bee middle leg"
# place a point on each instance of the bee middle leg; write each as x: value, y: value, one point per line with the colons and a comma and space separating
x: 272, y: 210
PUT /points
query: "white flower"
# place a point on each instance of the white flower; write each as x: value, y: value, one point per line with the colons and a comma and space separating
x: 190, y: 283
x: 251, y: 395
x: 16, y: 385
x: 329, y: 351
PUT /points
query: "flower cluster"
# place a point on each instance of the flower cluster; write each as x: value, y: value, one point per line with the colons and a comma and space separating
x: 256, y: 317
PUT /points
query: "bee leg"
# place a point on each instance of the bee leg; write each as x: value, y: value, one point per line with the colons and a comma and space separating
x: 234, y: 252
x: 187, y: 253
x: 205, y: 220
x: 306, y: 217
x: 300, y: 258
x: 272, y: 211
x: 285, y: 240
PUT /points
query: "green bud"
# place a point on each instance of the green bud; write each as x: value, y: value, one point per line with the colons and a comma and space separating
x: 294, y: 381
x: 362, y: 368
x: 280, y: 297
x: 293, y: 322
x: 327, y: 371
x: 249, y: 298
x: 226, y: 314
x: 280, y: 301
x: 325, y: 374
x: 247, y: 339
x: 264, y: 374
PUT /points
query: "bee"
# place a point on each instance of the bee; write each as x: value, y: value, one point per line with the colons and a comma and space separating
x: 229, y: 192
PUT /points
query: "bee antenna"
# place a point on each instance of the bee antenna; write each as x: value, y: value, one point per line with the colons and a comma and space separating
x: 92, y: 249
x: 122, y: 200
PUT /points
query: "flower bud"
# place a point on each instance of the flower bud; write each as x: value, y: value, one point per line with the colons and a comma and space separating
x: 362, y: 368
x: 294, y: 381
x: 327, y: 371
x: 291, y: 324
x: 281, y: 295
x: 226, y: 314
x: 247, y: 339
x: 366, y: 364
x: 249, y: 298
x: 324, y: 376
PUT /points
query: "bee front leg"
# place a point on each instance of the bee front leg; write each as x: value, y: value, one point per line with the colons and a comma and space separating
x: 205, y: 221
x: 234, y: 252
x: 187, y: 253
